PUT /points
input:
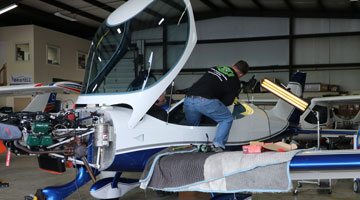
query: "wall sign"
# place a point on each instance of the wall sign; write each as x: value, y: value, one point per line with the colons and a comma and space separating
x: 20, y: 79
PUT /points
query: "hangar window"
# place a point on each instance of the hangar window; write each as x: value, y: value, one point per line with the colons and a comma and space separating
x: 52, y: 55
x: 22, y: 52
x: 81, y: 60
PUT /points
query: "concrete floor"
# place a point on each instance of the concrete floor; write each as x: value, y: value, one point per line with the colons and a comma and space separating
x: 25, y: 177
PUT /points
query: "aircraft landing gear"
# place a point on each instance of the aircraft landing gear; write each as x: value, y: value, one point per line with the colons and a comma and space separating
x: 240, y: 196
x: 357, y: 185
x: 113, y: 187
x: 3, y: 184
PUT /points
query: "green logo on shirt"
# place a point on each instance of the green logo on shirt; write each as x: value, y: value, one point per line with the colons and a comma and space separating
x: 227, y: 71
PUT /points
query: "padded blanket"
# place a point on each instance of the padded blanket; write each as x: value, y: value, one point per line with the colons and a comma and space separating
x: 225, y: 172
x: 9, y: 132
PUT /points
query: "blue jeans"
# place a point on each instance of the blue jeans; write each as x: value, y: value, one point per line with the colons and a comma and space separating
x: 195, y: 107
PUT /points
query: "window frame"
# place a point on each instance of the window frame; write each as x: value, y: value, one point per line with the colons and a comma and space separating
x: 58, y: 54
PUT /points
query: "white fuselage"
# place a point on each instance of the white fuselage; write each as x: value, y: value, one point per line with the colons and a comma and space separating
x: 153, y: 133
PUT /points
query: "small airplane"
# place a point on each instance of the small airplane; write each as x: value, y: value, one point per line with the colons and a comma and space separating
x: 327, y: 107
x: 43, y: 100
x: 125, y: 136
x: 44, y: 95
x: 123, y: 133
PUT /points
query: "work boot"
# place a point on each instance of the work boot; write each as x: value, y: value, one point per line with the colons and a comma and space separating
x: 216, y: 149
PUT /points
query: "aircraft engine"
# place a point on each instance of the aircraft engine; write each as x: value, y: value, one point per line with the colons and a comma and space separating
x: 53, y: 137
x: 102, y: 135
x: 39, y: 135
x: 85, y: 136
x: 103, y: 139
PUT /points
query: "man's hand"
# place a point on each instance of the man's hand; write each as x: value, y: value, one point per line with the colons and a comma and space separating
x: 236, y: 101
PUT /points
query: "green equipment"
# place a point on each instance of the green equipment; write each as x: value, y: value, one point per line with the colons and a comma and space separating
x: 40, y: 135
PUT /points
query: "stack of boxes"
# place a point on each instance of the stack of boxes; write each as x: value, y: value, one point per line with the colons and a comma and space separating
x: 321, y: 87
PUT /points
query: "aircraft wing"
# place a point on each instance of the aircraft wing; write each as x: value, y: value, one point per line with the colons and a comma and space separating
x: 34, y: 89
x: 260, y: 101
x: 326, y: 131
x: 352, y: 99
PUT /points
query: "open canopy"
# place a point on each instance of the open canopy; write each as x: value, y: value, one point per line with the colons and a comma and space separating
x: 123, y: 56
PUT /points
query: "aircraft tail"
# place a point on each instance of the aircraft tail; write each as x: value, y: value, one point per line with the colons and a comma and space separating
x: 286, y: 111
x: 42, y: 102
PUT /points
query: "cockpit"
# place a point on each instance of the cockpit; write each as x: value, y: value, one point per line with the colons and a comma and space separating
x: 177, y: 115
x: 133, y: 51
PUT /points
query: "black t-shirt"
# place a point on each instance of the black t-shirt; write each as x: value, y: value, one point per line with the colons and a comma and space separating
x: 217, y: 83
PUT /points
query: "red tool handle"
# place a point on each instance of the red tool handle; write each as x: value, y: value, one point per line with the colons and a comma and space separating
x: 8, y: 158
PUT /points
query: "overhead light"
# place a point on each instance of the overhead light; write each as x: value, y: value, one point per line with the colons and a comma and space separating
x: 118, y: 30
x: 7, y: 8
x: 58, y: 14
x: 284, y: 94
x: 94, y: 87
x: 161, y: 21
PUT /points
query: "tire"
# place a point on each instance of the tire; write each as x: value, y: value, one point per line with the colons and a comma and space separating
x: 295, y: 192
x: 299, y: 184
x: 357, y: 186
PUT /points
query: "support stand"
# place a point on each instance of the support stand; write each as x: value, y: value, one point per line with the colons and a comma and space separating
x: 171, y: 95
x: 318, y: 129
x: 321, y: 184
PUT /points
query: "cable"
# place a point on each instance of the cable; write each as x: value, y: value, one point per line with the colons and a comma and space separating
x: 75, y: 181
x: 268, y: 120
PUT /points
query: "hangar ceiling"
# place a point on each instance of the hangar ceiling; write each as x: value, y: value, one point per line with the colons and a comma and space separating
x: 89, y: 14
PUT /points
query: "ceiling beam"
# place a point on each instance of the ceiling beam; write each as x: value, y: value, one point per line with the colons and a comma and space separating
x: 258, y: 4
x: 354, y: 5
x: 229, y: 4
x: 211, y: 5
x: 73, y: 10
x: 278, y: 13
x: 174, y: 5
x: 25, y: 15
x: 321, y: 5
x: 152, y: 13
x: 309, y: 67
x: 8, y: 3
x: 289, y: 5
x: 100, y: 5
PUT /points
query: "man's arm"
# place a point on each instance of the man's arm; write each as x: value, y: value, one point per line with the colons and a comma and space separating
x: 230, y: 96
x: 228, y: 99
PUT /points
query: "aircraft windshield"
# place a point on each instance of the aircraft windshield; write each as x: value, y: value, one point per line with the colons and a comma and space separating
x: 119, y: 55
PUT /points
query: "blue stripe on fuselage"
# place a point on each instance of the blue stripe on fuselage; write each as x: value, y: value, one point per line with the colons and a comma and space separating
x: 133, y: 161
